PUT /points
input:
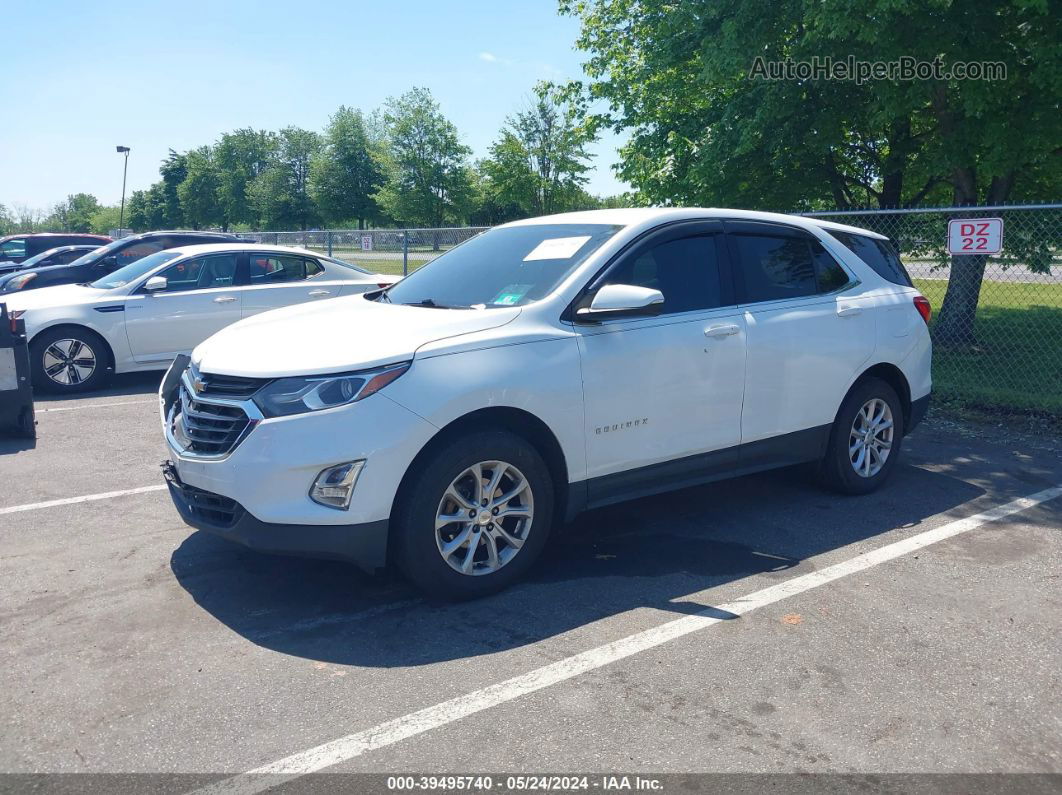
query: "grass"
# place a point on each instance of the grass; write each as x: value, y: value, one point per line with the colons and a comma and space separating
x: 1016, y: 364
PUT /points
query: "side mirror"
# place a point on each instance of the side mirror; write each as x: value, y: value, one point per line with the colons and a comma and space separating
x: 154, y: 284
x: 622, y: 300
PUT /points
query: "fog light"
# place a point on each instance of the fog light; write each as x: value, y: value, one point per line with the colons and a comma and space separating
x: 335, y: 485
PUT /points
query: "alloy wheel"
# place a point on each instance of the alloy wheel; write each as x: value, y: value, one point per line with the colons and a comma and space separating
x: 870, y: 440
x: 69, y: 362
x: 484, y: 518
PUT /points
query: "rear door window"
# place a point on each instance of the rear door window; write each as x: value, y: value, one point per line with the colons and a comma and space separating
x: 272, y: 269
x: 880, y: 255
x: 775, y: 267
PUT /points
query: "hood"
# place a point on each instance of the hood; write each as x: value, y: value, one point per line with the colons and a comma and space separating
x: 48, y: 297
x: 6, y: 276
x: 334, y: 336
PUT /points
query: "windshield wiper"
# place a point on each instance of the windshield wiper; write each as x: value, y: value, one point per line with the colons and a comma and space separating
x: 430, y: 303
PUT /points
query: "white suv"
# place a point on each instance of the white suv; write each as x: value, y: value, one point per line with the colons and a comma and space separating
x: 548, y: 366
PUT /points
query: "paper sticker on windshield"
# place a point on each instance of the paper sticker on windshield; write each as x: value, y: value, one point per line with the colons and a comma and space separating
x: 511, y: 294
x: 557, y: 248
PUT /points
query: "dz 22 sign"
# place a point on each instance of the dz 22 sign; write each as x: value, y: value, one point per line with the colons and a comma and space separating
x: 975, y: 236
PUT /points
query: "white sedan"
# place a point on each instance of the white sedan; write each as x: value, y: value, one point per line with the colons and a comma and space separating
x: 143, y: 315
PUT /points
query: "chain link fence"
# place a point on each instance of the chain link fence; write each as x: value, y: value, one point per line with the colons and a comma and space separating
x: 997, y: 319
x: 393, y: 251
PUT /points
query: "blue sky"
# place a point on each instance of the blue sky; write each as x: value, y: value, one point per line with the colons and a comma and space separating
x: 80, y: 77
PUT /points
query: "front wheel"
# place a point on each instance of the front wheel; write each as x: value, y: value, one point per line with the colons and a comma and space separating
x: 475, y: 516
x: 865, y: 439
x: 68, y: 360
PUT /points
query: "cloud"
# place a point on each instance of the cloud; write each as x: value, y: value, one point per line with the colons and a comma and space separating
x: 490, y: 57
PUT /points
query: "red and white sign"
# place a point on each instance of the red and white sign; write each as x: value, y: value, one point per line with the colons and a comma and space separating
x: 975, y: 236
x: 366, y: 242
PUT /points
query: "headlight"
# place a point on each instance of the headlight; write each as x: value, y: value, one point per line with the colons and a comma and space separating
x: 18, y: 282
x: 312, y: 393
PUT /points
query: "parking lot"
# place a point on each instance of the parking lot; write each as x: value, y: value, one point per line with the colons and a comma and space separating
x: 737, y: 627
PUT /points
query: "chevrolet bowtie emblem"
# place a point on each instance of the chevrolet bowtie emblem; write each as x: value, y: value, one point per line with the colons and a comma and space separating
x: 198, y: 386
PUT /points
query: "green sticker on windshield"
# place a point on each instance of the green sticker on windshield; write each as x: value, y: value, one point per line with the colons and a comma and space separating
x: 511, y: 294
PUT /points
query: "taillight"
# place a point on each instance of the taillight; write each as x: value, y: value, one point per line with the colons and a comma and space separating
x: 924, y: 309
x: 381, y: 285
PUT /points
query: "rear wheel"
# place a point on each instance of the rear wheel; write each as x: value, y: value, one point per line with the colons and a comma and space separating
x: 68, y: 360
x: 475, y: 516
x: 865, y: 439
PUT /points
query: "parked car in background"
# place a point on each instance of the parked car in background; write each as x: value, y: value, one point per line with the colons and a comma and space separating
x: 109, y: 258
x: 545, y: 367
x: 144, y: 314
x: 16, y: 248
x: 63, y: 255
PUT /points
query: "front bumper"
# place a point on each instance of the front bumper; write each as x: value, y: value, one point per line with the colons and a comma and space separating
x: 364, y: 544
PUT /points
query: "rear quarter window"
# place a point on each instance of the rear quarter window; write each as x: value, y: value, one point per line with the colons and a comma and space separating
x: 880, y: 255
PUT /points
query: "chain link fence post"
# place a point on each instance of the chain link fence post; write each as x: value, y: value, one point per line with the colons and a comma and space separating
x: 405, y: 252
x: 329, y: 236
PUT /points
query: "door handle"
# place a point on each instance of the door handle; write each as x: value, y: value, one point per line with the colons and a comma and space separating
x: 316, y: 293
x: 721, y: 331
x: 224, y: 299
x: 849, y: 311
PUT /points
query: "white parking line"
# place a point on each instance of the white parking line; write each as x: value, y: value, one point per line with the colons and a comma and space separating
x: 390, y: 732
x: 106, y: 495
x: 95, y: 406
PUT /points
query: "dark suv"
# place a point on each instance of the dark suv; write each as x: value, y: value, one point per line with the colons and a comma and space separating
x: 16, y: 248
x: 107, y: 259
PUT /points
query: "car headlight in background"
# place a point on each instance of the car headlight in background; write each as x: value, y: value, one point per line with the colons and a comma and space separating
x: 18, y: 282
x: 287, y: 396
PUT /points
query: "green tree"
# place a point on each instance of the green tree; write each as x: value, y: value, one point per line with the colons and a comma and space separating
x: 147, y: 209
x: 75, y: 213
x: 429, y: 181
x: 174, y: 169
x: 198, y: 191
x: 105, y: 219
x: 240, y: 157
x: 677, y: 76
x: 540, y: 161
x: 280, y: 194
x: 346, y: 174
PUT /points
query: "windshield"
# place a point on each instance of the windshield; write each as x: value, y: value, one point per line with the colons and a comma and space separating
x: 508, y: 266
x: 33, y: 261
x: 134, y: 270
x: 99, y: 253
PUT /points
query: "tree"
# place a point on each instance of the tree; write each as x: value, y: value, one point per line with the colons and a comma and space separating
x: 105, y: 219
x: 174, y: 169
x: 198, y: 191
x: 677, y: 76
x: 280, y: 194
x: 429, y: 181
x: 540, y: 161
x: 346, y: 173
x: 75, y: 214
x: 240, y: 157
x: 147, y: 209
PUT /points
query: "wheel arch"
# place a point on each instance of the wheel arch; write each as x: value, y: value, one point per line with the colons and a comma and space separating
x: 894, y: 377
x: 107, y: 349
x: 517, y: 421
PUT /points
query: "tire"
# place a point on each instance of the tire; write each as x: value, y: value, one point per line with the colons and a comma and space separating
x: 430, y: 557
x: 85, y: 371
x: 843, y: 468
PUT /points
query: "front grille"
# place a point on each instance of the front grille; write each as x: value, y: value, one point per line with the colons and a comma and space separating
x: 212, y: 508
x: 207, y: 428
x: 226, y: 386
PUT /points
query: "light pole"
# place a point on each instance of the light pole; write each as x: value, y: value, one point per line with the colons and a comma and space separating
x: 123, y: 150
